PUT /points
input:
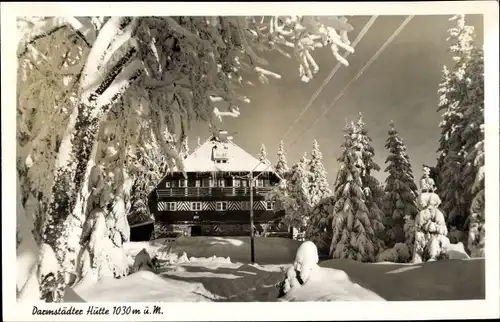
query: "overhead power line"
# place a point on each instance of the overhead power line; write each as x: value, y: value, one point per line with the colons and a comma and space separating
x: 332, y: 73
x: 361, y: 71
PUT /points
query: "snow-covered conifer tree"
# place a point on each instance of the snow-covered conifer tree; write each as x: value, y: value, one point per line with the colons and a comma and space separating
x: 400, y: 193
x: 320, y: 193
x: 318, y: 181
x: 279, y: 193
x: 461, y: 102
x: 431, y: 239
x: 473, y: 166
x: 294, y: 195
x: 263, y: 154
x: 476, y: 220
x: 184, y: 150
x: 372, y: 188
x: 281, y: 166
x: 353, y: 236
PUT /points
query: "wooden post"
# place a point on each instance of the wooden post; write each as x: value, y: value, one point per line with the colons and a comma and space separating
x: 252, y: 245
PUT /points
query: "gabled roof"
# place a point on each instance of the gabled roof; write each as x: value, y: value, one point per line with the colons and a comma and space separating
x: 238, y: 159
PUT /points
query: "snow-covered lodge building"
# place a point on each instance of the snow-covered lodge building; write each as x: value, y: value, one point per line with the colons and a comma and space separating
x: 214, y: 199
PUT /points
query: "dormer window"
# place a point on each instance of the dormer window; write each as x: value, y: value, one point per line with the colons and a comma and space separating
x: 220, y: 153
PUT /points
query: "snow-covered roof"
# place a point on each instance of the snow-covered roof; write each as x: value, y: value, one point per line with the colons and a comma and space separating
x: 238, y: 160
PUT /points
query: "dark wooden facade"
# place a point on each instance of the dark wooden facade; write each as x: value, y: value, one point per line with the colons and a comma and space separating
x: 214, y: 198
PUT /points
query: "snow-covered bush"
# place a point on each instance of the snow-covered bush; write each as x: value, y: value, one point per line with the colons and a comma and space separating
x: 399, y: 253
x: 305, y: 264
x: 289, y: 281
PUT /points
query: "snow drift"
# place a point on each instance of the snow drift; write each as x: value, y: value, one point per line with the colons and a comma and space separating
x: 222, y: 279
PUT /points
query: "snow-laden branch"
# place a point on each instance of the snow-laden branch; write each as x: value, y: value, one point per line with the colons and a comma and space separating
x: 234, y: 112
x: 84, y: 27
x: 123, y: 81
x: 263, y: 71
x: 40, y: 29
x: 115, y: 32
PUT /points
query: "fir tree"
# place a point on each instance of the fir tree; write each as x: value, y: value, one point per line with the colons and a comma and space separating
x: 318, y: 181
x: 184, y: 150
x: 460, y: 101
x: 371, y: 186
x: 281, y: 167
x: 400, y: 193
x: 296, y: 201
x: 352, y: 233
x: 279, y: 193
x: 476, y: 220
x: 472, y: 168
x: 320, y: 194
x: 431, y: 239
x: 263, y: 155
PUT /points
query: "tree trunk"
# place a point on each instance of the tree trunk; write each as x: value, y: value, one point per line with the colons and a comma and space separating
x: 65, y: 208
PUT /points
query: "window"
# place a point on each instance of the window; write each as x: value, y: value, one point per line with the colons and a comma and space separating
x: 197, y: 183
x: 195, y: 206
x: 168, y: 184
x: 220, y: 183
x: 244, y: 183
x: 221, y: 206
x: 236, y: 182
x: 206, y: 183
x: 182, y: 183
x: 171, y: 206
x: 259, y: 183
x: 269, y: 205
x: 245, y: 205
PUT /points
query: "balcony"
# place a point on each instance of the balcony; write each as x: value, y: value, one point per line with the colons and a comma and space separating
x: 206, y: 191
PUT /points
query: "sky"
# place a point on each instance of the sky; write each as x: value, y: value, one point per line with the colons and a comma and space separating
x: 400, y: 85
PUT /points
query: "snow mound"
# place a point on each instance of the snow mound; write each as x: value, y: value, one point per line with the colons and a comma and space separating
x: 306, y: 281
x: 327, y: 284
x: 457, y: 251
x: 306, y: 260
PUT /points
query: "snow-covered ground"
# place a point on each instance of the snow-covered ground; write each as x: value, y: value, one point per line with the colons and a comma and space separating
x: 218, y: 269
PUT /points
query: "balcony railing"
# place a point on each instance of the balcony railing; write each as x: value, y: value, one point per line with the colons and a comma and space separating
x: 207, y: 191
